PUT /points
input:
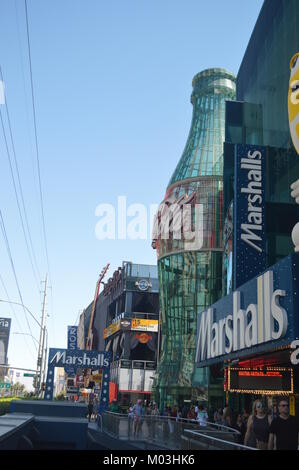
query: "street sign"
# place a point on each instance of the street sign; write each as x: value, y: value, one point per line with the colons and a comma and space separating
x: 29, y: 375
x: 4, y: 385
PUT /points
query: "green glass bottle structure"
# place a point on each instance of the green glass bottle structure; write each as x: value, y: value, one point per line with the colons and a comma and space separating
x: 190, y: 269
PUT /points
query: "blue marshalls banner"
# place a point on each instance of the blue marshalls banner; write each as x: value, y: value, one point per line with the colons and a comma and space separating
x: 94, y: 360
x: 249, y: 253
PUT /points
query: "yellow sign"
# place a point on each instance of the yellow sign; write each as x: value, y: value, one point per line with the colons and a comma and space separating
x: 111, y: 329
x: 144, y: 325
x: 293, y: 101
x: 96, y: 377
x: 292, y: 405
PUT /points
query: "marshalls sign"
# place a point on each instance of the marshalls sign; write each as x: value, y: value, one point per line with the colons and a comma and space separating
x: 258, y: 316
x: 249, y: 213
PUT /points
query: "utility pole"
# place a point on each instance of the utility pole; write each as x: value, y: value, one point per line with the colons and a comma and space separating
x: 40, y: 356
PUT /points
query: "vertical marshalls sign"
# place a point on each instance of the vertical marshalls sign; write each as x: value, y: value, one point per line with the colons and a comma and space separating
x: 249, y: 253
x: 72, y: 335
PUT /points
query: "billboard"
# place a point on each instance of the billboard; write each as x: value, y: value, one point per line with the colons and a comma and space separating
x: 4, y: 339
x: 111, y: 329
x: 249, y: 247
x: 144, y: 325
x: 259, y: 316
x: 270, y: 380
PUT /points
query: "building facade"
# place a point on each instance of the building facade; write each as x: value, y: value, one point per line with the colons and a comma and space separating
x: 126, y: 323
x: 259, y: 273
x: 190, y: 251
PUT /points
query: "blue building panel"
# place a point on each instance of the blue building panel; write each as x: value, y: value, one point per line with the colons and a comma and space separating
x: 283, y: 291
x: 249, y: 254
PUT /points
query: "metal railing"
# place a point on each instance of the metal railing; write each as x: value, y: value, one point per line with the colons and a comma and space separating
x: 196, y: 440
x: 170, y: 433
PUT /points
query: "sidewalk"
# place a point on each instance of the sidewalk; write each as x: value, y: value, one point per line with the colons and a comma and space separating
x: 101, y: 441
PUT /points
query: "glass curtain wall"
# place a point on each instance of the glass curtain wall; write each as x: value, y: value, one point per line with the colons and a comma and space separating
x: 190, y: 276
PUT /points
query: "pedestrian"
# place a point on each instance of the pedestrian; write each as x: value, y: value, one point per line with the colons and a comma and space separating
x: 227, y: 417
x: 218, y: 416
x: 284, y: 428
x: 241, y: 427
x: 191, y: 414
x: 179, y: 414
x: 258, y: 426
x: 153, y: 420
x: 184, y: 411
x: 130, y: 419
x: 202, y: 416
x: 245, y: 417
x: 90, y: 408
x: 137, y: 411
x: 95, y: 408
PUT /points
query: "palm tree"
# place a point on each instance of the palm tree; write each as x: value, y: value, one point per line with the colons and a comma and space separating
x: 18, y: 388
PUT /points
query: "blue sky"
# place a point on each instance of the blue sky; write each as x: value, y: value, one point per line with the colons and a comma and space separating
x: 112, y: 84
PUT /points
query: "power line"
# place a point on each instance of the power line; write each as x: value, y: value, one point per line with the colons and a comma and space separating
x: 37, y: 157
x: 13, y: 268
x: 20, y: 189
x: 16, y: 195
x: 36, y: 140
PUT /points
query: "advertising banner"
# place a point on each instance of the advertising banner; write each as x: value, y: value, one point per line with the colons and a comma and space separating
x: 249, y: 247
x: 271, y: 380
x: 4, y: 339
x: 259, y: 316
x: 80, y: 359
x: 144, y: 325
x: 111, y: 329
x: 72, y: 340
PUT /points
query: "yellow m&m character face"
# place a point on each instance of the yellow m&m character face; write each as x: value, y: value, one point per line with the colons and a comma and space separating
x: 293, y: 101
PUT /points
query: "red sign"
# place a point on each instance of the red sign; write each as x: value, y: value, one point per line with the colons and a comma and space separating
x: 112, y: 392
x: 143, y: 337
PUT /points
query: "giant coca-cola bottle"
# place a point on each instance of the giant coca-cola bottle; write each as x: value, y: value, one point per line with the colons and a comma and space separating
x: 187, y: 236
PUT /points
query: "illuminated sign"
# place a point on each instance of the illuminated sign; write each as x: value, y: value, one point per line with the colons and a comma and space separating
x: 111, y: 329
x: 144, y: 325
x: 249, y: 253
x: 259, y: 316
x: 143, y: 337
x: 143, y: 285
x: 270, y: 380
x: 246, y: 325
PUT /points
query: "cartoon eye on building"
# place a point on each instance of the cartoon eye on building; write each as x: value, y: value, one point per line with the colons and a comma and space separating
x: 293, y: 101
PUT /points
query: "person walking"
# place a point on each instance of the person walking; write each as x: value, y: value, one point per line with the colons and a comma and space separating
x: 153, y: 421
x: 258, y: 426
x: 130, y: 419
x: 137, y: 411
x: 90, y: 408
x: 95, y: 408
x: 284, y: 428
x: 227, y: 417
x: 218, y: 416
x: 241, y: 427
x: 202, y: 416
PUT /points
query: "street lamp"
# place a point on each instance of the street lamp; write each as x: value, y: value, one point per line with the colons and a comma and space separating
x: 41, y: 352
